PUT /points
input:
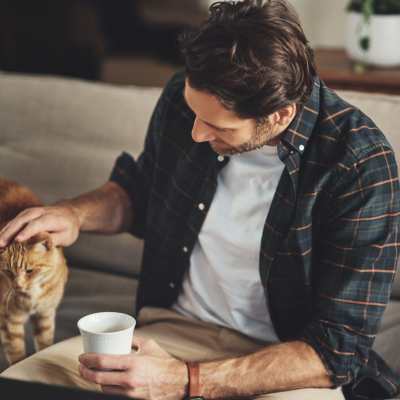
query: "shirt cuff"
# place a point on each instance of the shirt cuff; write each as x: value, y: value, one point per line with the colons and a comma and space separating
x: 126, y: 174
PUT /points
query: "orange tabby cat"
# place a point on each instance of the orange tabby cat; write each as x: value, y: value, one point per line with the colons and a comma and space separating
x: 32, y: 279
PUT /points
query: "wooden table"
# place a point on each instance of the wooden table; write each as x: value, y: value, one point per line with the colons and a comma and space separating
x: 338, y: 73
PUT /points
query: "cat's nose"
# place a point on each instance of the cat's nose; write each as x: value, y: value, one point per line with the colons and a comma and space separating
x: 19, y: 285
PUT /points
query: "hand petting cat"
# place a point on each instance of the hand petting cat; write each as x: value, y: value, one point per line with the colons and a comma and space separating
x: 61, y: 222
x: 33, y: 271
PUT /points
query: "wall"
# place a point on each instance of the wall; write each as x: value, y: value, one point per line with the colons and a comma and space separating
x: 324, y: 21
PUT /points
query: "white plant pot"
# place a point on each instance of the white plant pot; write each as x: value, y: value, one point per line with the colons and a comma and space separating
x: 384, y: 34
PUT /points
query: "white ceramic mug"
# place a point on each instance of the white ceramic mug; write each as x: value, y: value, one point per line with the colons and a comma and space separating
x: 107, y: 332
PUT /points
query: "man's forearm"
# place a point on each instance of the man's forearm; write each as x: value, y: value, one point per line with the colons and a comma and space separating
x: 276, y: 368
x: 107, y: 209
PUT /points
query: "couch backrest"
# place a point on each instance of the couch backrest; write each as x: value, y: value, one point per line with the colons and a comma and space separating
x: 383, y: 110
x: 61, y: 136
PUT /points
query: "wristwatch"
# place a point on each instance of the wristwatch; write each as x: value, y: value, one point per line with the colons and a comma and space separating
x: 194, y: 389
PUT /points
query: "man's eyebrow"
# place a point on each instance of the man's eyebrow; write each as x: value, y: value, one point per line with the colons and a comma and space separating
x: 207, y: 123
x: 217, y: 127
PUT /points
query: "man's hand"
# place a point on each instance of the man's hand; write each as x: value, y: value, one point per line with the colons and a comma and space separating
x: 149, y: 373
x: 62, y: 222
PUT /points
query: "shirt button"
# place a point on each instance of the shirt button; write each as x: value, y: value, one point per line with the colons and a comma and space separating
x: 221, y: 158
x: 201, y: 206
x: 301, y: 147
x: 172, y: 285
x: 185, y: 249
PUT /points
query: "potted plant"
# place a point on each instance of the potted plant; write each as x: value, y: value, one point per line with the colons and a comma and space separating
x: 373, y: 32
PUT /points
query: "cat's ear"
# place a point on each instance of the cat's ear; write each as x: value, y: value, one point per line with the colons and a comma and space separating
x: 41, y: 242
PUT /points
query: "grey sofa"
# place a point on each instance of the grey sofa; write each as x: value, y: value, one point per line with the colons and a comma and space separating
x: 60, y: 137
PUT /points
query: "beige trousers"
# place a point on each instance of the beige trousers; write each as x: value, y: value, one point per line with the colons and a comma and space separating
x: 185, y: 338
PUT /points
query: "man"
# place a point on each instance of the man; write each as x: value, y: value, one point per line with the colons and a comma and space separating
x: 281, y: 198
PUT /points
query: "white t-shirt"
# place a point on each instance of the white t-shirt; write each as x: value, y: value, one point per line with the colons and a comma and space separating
x: 223, y: 283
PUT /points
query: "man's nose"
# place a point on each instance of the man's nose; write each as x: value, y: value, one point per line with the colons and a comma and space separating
x: 201, y: 132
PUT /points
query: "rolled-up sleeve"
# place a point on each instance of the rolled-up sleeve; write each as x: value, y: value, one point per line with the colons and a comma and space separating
x: 136, y: 176
x: 356, y: 259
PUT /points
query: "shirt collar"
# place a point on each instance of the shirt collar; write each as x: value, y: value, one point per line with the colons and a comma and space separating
x: 296, y: 136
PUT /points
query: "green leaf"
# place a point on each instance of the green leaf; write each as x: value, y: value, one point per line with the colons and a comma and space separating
x: 367, y: 9
x: 365, y: 43
x: 370, y: 7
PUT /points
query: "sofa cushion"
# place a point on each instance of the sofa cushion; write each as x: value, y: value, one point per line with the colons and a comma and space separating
x: 121, y: 254
x: 382, y: 109
x: 61, y: 136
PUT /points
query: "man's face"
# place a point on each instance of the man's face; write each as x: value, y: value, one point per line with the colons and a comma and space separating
x: 226, y: 133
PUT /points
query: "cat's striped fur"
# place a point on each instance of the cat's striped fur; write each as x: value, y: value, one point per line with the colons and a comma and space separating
x: 32, y: 279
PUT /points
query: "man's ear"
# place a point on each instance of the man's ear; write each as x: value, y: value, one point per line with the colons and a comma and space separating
x: 41, y: 242
x: 285, y: 114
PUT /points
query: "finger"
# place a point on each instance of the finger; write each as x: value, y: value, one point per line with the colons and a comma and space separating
x: 105, y: 361
x: 24, y: 216
x: 58, y: 239
x: 138, y: 342
x: 9, y: 231
x: 109, y: 378
x: 15, y: 225
x: 114, y: 390
x: 38, y: 225
x: 149, y: 346
x: 8, y: 236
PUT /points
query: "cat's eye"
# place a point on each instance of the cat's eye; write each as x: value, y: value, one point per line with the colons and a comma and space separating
x: 29, y: 271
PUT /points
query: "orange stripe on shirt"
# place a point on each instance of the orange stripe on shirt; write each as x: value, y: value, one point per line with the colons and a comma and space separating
x: 364, y: 303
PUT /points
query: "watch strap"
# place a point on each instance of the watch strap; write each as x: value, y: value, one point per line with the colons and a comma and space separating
x: 194, y: 380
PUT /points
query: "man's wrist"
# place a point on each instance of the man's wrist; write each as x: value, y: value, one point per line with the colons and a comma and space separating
x: 79, y: 215
x: 214, y: 379
x: 183, y: 382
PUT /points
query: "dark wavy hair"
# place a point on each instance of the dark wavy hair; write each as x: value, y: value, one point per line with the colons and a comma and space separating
x: 254, y: 57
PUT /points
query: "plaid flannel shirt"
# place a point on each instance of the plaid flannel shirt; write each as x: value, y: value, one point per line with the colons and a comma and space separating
x: 330, y: 241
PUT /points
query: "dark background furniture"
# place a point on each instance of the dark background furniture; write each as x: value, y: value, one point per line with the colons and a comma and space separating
x: 17, y: 390
x: 75, y: 37
x: 338, y: 72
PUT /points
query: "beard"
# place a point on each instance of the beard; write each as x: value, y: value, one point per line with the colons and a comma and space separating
x: 261, y: 137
